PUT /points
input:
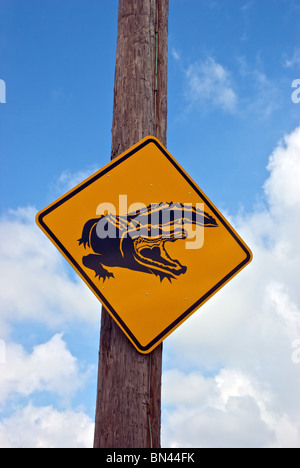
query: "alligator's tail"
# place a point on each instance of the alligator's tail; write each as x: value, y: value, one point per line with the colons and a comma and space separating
x: 87, y: 228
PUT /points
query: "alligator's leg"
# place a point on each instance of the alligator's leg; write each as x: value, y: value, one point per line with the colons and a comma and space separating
x: 93, y: 262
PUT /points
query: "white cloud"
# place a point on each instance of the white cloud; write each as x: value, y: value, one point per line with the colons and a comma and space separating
x: 258, y: 94
x: 232, y: 410
x: 68, y: 180
x: 263, y: 100
x: 246, y: 6
x: 35, y: 280
x: 50, y: 367
x: 248, y: 91
x: 227, y: 412
x: 293, y: 60
x: 45, y: 427
x: 175, y: 54
x: 189, y: 390
x: 282, y: 187
x: 243, y: 337
x: 209, y: 81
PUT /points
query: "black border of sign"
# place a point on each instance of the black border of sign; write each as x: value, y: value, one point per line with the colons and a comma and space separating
x: 40, y: 221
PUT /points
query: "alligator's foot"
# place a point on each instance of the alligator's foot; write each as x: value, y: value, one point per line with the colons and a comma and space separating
x: 92, y: 261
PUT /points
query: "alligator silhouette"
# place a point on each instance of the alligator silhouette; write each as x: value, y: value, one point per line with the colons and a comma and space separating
x: 137, y: 241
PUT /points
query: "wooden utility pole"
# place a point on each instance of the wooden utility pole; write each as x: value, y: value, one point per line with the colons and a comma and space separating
x: 128, y: 409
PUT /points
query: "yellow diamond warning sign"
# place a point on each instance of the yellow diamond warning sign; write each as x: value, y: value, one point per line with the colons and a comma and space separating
x: 146, y: 240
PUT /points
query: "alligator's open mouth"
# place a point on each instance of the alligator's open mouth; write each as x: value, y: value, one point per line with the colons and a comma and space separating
x: 152, y: 254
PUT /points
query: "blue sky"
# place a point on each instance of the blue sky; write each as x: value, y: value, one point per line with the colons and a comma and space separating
x: 233, y: 126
